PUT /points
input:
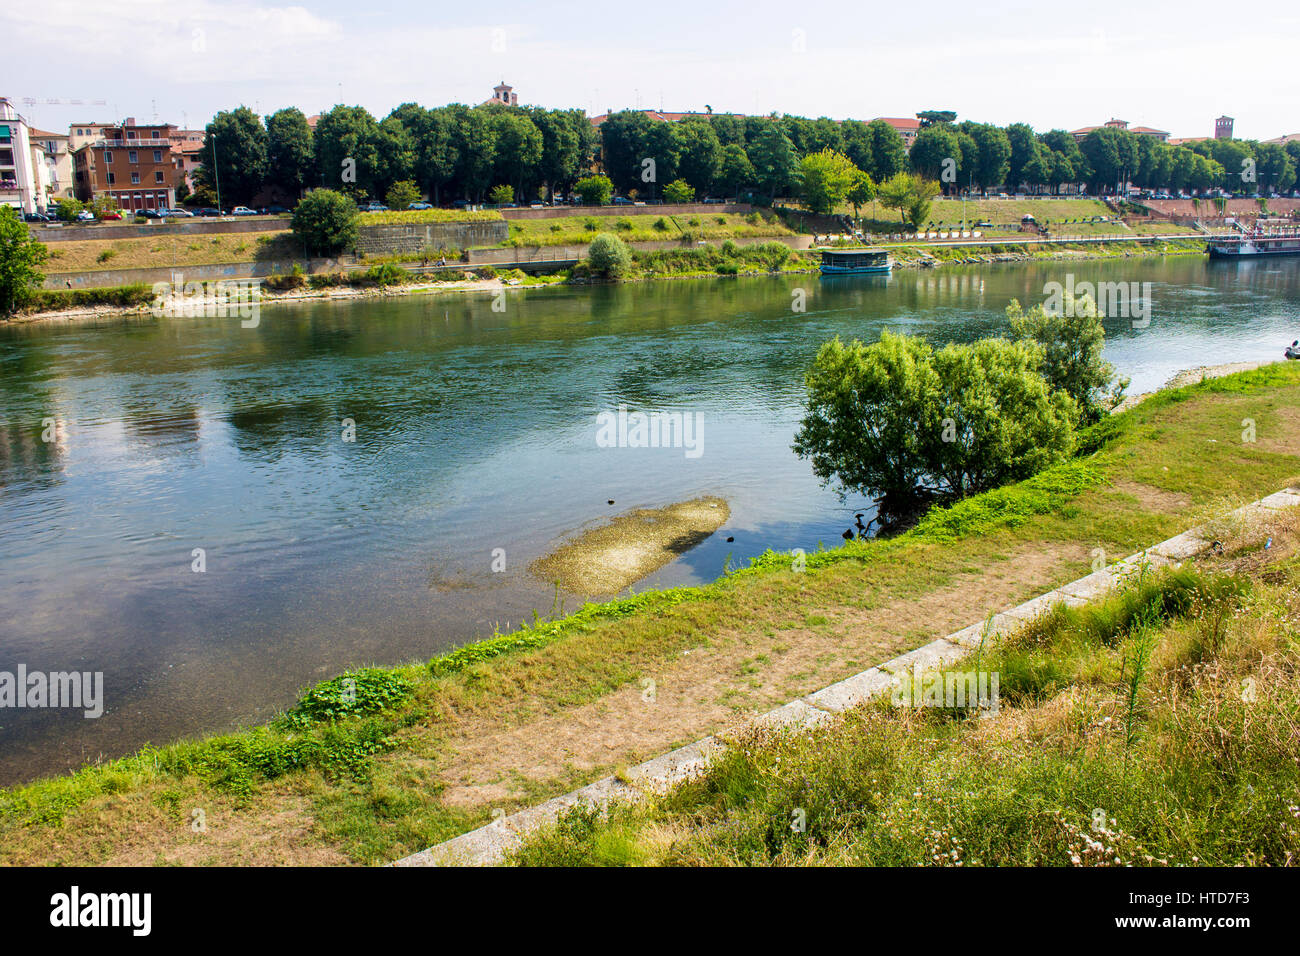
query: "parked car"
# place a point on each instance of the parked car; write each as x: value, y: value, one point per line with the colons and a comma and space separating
x: 983, y: 224
x: 208, y: 211
x: 622, y: 201
x: 372, y: 206
x: 419, y: 205
x: 85, y: 216
x: 111, y: 214
x: 276, y: 210
x: 176, y: 213
x: 38, y: 217
x: 243, y: 211
x: 710, y: 201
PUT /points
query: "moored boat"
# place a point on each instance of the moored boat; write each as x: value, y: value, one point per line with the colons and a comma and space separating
x: 1260, y: 240
x: 855, y: 262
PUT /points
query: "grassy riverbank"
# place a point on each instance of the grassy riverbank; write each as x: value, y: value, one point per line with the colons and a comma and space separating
x: 415, y: 755
x: 1159, y: 727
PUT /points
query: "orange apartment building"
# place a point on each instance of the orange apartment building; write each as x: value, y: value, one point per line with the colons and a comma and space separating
x: 132, y: 164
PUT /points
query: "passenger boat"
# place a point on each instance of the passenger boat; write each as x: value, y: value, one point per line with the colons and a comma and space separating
x: 1260, y: 240
x: 843, y: 262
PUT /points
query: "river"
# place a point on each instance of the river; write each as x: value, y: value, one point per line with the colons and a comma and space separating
x: 475, y: 443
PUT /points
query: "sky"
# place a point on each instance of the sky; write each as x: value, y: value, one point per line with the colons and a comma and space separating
x: 1173, y: 66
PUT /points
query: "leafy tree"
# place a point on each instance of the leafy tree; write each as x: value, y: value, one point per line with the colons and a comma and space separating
x: 991, y: 160
x: 736, y: 171
x: 679, y: 191
x: 349, y: 146
x: 859, y: 144
x: 67, y: 209
x: 436, y: 156
x: 888, y: 153
x: 774, y: 160
x: 401, y: 194
x: 700, y: 154
x: 518, y: 148
x: 291, y: 159
x: 501, y: 195
x: 476, y: 142
x: 325, y: 221
x: 1024, y: 150
x: 910, y: 195
x: 933, y: 147
x: 1112, y: 156
x: 1070, y: 341
x: 234, y: 156
x: 897, y: 419
x: 594, y: 190
x: 625, y: 139
x: 930, y: 118
x: 827, y: 178
x: 1274, y: 167
x: 609, y: 256
x: 566, y: 144
x: 20, y: 260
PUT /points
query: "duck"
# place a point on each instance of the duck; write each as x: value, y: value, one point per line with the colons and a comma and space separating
x: 1293, y: 350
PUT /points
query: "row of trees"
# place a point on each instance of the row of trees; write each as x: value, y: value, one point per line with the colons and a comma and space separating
x: 466, y: 152
x: 448, y: 152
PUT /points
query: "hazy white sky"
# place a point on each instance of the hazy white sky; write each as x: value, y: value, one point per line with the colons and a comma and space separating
x: 1173, y: 66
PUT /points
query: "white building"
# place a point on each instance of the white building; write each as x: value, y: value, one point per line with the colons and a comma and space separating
x: 51, y: 165
x: 18, y: 183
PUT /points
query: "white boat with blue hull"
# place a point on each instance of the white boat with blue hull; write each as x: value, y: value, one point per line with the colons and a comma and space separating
x: 846, y: 262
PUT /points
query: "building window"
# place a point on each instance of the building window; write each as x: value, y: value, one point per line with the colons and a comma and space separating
x: 135, y: 179
x: 133, y: 157
x: 130, y: 134
x: 158, y: 176
x: 157, y: 155
x: 111, y: 179
x: 108, y: 156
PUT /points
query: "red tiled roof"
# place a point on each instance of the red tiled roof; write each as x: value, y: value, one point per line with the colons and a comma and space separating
x: 900, y: 123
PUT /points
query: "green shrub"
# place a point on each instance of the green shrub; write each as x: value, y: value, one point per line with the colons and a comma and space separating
x: 348, y: 695
x: 609, y: 256
x: 325, y: 222
x: 624, y: 224
x: 679, y: 191
x: 594, y: 190
x: 900, y: 420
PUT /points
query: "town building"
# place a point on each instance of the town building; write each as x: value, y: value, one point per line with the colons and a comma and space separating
x: 52, y: 166
x: 501, y: 93
x: 132, y: 164
x: 1159, y: 134
x: 1223, y: 127
x: 905, y: 127
x: 19, y: 186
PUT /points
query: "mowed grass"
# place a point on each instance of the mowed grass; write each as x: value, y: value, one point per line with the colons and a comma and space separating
x: 374, y: 786
x: 1159, y: 727
x: 92, y: 255
x: 644, y: 225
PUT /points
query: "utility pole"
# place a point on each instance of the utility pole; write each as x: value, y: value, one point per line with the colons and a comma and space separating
x: 216, y: 177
